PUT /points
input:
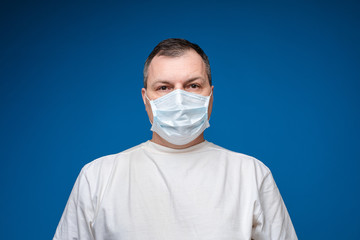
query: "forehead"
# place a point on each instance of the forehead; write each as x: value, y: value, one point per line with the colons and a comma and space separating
x: 188, y: 65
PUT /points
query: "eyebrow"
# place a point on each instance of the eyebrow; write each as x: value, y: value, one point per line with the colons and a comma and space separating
x: 195, y: 79
x: 186, y: 82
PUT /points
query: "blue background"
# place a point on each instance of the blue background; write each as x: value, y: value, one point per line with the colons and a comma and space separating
x: 286, y: 77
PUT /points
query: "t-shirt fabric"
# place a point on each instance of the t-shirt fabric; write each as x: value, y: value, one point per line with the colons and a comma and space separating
x: 151, y: 192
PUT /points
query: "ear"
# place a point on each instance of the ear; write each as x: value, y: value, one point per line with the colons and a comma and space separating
x: 147, y: 105
x: 143, y: 92
x: 211, y: 102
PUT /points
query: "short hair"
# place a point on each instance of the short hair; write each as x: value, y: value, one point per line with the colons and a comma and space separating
x: 175, y: 47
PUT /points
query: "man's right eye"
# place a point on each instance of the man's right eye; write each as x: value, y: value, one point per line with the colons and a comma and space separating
x: 163, y: 88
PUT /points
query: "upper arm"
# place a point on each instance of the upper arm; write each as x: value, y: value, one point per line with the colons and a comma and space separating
x: 78, y: 214
x: 272, y: 220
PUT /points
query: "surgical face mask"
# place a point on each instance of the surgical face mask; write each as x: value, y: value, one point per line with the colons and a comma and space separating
x: 179, y: 117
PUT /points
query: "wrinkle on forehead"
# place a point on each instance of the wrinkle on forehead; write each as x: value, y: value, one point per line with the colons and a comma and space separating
x: 188, y: 81
x: 187, y: 66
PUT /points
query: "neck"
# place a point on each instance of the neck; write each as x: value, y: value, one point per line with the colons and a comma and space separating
x: 158, y: 140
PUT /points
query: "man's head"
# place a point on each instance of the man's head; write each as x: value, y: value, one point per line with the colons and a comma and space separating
x: 175, y: 47
x: 176, y: 64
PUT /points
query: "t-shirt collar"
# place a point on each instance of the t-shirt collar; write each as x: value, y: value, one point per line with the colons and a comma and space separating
x: 162, y: 149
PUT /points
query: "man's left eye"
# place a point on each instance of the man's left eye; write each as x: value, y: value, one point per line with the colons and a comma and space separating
x: 194, y: 86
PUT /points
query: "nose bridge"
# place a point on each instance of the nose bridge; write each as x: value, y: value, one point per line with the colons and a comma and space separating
x: 179, y: 85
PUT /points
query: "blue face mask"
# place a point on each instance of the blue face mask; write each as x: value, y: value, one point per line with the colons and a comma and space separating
x: 179, y: 117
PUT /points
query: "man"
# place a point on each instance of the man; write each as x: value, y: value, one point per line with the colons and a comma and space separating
x: 177, y: 185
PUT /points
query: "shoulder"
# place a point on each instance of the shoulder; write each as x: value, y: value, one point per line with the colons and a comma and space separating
x: 103, y: 166
x: 245, y: 162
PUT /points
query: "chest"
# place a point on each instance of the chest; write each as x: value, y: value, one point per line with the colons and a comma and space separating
x: 154, y: 202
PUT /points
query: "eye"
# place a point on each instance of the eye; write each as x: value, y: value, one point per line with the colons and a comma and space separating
x: 163, y: 88
x: 194, y: 85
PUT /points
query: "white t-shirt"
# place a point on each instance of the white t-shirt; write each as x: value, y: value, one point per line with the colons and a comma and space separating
x: 152, y: 192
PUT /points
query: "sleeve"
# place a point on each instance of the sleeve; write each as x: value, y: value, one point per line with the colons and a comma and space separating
x: 79, y: 211
x: 272, y: 221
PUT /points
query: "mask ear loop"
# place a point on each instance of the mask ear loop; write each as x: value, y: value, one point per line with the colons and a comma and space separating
x: 150, y: 106
x: 209, y: 101
x: 147, y: 96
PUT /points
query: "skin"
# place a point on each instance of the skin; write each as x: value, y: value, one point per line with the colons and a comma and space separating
x: 165, y: 74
